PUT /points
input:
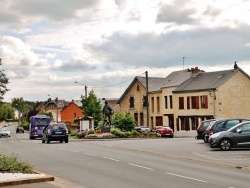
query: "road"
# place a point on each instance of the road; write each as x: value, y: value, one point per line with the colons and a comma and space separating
x: 177, y: 162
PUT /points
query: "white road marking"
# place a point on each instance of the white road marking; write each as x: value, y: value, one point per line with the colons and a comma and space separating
x: 186, y: 177
x: 110, y: 159
x: 140, y: 166
x: 90, y: 154
x: 205, y: 156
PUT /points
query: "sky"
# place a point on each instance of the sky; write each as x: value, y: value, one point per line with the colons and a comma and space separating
x: 46, y: 46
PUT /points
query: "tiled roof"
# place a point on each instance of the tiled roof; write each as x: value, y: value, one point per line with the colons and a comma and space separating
x: 206, y: 81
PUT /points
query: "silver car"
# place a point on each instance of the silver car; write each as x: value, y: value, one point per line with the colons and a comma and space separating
x: 237, y: 136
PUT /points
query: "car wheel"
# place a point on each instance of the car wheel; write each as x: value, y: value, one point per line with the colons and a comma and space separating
x: 67, y: 140
x: 43, y: 141
x: 205, y: 140
x: 225, y: 144
x: 61, y: 141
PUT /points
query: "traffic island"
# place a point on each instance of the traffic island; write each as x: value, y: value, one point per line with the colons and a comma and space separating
x: 18, y: 179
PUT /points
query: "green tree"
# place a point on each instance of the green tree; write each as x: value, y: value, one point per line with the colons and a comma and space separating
x: 125, y: 122
x: 6, y: 112
x: 92, y: 107
x: 3, y: 82
x: 22, y: 107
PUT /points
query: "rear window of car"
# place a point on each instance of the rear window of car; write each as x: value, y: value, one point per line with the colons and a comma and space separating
x: 57, y: 126
x: 220, y: 124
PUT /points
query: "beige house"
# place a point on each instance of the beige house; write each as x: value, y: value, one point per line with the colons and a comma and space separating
x: 206, y: 95
x: 185, y: 98
x: 134, y: 99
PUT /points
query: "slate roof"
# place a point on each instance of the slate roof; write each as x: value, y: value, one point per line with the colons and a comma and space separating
x: 157, y: 83
x: 204, y: 81
x: 176, y: 78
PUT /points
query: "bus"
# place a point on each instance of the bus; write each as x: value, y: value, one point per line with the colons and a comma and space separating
x: 37, y: 123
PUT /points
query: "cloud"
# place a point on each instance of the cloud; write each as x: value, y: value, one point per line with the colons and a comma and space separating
x: 73, y: 65
x: 175, y: 14
x: 28, y: 11
x: 167, y: 49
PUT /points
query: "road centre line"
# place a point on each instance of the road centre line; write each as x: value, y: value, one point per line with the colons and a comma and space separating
x: 140, y: 166
x: 186, y: 177
x: 90, y: 154
x: 110, y: 159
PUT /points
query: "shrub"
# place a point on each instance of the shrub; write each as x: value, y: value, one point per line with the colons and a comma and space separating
x: 118, y: 133
x: 13, y: 165
x: 90, y: 131
x: 128, y: 134
x: 124, y: 122
x: 81, y: 134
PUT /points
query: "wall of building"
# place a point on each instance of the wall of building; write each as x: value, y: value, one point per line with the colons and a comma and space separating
x: 71, y: 112
x: 233, y: 98
x: 138, y: 91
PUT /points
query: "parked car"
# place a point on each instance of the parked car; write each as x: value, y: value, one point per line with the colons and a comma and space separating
x: 222, y: 125
x: 19, y: 129
x: 237, y: 136
x: 142, y: 129
x: 5, y: 131
x: 201, y: 130
x: 55, y: 132
x: 165, y: 131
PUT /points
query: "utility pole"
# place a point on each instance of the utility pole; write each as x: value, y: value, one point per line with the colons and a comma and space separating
x: 86, y: 89
x: 183, y: 60
x: 147, y: 103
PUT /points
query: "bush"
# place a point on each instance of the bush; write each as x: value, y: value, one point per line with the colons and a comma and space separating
x: 13, y: 165
x: 118, y: 133
x: 90, y: 131
x: 81, y: 134
x: 124, y: 122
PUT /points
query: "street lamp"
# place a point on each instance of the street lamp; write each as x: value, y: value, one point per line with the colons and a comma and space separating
x: 85, y: 88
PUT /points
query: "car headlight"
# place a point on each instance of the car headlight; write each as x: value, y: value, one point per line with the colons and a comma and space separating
x: 215, y: 135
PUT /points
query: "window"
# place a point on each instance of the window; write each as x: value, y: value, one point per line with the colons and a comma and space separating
x: 245, y: 128
x: 188, y: 102
x: 138, y: 87
x: 158, y: 104
x: 195, y: 102
x: 144, y: 101
x: 131, y: 102
x: 170, y: 101
x: 204, y: 103
x: 141, y: 119
x: 166, y: 102
x: 231, y: 123
x: 152, y: 104
x: 181, y: 102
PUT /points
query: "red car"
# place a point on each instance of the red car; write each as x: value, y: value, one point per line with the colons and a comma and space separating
x: 165, y: 131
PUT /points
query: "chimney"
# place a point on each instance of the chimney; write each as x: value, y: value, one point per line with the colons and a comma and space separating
x: 194, y: 71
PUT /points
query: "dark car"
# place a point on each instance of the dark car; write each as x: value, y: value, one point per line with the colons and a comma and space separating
x: 237, y: 136
x: 19, y: 129
x: 55, y: 132
x: 165, y: 131
x: 222, y: 125
x: 201, y: 130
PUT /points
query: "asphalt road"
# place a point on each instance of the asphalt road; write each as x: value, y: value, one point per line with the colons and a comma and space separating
x: 177, y: 162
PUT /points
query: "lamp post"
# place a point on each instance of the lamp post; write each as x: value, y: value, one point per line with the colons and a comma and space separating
x: 86, y: 92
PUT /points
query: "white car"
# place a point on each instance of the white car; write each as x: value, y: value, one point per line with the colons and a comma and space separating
x: 4, y: 131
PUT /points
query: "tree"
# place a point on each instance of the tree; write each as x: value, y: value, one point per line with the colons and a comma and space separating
x: 92, y: 107
x: 21, y: 106
x: 125, y: 122
x: 6, y: 112
x: 3, y: 82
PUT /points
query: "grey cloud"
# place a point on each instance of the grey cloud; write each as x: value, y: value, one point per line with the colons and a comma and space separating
x: 175, y: 14
x: 75, y: 65
x: 16, y: 11
x: 206, y: 46
x: 210, y: 11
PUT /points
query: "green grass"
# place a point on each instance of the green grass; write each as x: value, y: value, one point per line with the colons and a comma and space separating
x: 11, y: 164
